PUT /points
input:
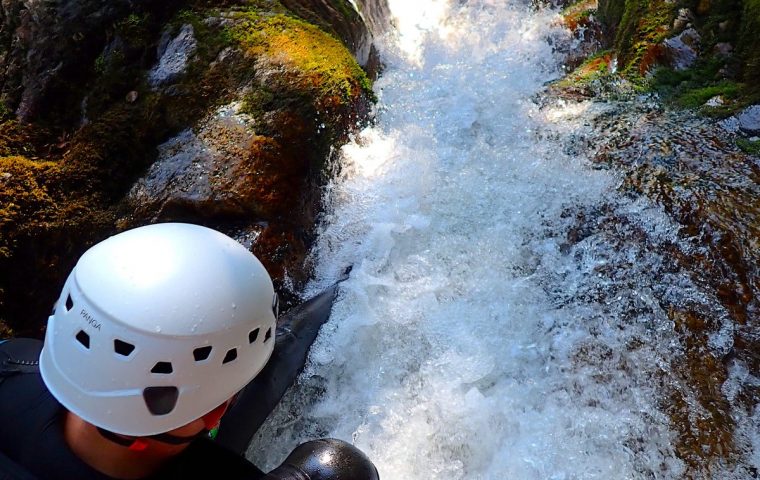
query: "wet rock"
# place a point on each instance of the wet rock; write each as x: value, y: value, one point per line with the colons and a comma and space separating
x: 684, y: 18
x: 376, y: 15
x: 48, y: 47
x: 715, y: 101
x: 257, y: 171
x: 342, y: 19
x: 723, y: 49
x: 730, y: 124
x: 173, y: 56
x: 203, y: 174
x: 749, y: 120
x: 681, y: 51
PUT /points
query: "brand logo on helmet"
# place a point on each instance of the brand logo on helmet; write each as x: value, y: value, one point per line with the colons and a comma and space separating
x: 90, y: 319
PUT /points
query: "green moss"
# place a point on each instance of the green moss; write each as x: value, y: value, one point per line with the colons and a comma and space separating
x: 747, y: 146
x: 596, y: 67
x: 578, y: 18
x: 693, y: 87
x: 749, y: 43
x: 611, y: 13
x: 643, y: 26
x: 211, y: 37
x: 5, y: 112
x: 697, y: 97
x: 319, y: 62
x: 135, y: 29
x: 258, y: 102
x: 23, y: 194
x: 578, y: 13
x: 345, y: 8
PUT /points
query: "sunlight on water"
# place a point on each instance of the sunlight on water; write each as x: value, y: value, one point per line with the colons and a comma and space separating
x: 416, y: 20
x: 477, y: 338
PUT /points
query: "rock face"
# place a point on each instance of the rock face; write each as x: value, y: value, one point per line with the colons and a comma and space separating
x: 212, y: 115
x: 681, y: 51
x: 376, y: 15
x: 683, y: 20
x: 173, y: 56
x: 339, y: 18
x: 45, y: 44
x: 749, y: 120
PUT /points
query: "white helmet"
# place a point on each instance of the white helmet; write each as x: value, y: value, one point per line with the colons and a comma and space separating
x: 156, y: 327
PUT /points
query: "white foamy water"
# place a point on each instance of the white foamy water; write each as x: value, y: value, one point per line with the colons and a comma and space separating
x: 484, y: 334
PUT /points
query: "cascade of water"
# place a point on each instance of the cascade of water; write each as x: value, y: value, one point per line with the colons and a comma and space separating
x: 494, y: 326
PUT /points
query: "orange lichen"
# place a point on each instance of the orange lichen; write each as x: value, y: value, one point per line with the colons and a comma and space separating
x: 579, y: 14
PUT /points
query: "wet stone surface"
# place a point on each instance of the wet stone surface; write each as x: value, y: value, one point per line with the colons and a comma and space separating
x: 749, y: 120
x: 691, y: 167
x: 191, y: 172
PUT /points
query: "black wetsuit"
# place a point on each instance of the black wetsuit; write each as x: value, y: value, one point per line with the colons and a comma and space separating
x: 31, y: 432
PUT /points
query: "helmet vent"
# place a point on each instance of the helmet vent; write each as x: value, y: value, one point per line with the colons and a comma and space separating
x: 123, y: 348
x: 268, y: 335
x: 201, y: 353
x: 164, y: 368
x: 231, y: 355
x: 253, y: 335
x: 84, y: 339
x: 160, y: 400
x: 69, y: 303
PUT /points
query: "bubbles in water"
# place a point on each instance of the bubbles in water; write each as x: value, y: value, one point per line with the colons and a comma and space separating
x: 486, y: 331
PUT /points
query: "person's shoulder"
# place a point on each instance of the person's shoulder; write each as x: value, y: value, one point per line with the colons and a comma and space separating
x: 19, y: 351
x: 20, y: 379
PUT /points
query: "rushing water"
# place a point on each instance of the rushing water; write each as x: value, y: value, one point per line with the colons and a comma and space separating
x: 502, y: 318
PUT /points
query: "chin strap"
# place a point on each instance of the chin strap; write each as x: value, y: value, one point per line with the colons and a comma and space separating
x: 140, y: 444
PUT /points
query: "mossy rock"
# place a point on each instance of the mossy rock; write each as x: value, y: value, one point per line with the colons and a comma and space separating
x: 319, y: 62
x: 644, y: 25
x: 63, y: 188
x: 578, y: 14
x: 749, y: 44
x: 24, y: 194
x: 610, y: 13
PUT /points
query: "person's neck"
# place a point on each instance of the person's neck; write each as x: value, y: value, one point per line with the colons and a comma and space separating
x: 106, y: 456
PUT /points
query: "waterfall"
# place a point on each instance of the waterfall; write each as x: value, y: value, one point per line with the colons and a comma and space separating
x: 500, y: 319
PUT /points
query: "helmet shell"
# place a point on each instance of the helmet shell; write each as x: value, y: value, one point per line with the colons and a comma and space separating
x: 157, y: 326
